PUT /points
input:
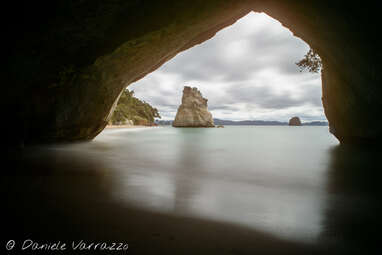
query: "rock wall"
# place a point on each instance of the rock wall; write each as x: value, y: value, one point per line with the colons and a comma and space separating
x: 66, y: 62
x: 193, y: 111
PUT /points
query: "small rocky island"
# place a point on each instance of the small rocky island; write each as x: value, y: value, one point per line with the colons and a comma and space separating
x: 193, y: 111
x: 295, y: 121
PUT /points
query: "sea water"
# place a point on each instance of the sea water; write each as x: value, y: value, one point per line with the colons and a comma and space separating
x: 296, y: 183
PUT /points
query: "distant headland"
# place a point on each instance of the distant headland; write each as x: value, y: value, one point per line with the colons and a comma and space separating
x: 250, y: 123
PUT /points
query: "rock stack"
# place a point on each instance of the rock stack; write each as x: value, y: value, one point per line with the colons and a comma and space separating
x: 193, y: 111
x: 295, y: 121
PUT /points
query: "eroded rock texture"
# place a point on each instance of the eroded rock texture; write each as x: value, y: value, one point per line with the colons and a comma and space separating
x: 68, y: 61
x: 193, y: 111
x: 295, y: 121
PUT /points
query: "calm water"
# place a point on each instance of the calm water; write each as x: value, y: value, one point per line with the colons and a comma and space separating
x: 272, y: 178
x: 294, y: 183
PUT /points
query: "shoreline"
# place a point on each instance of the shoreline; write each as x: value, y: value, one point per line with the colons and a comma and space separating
x: 125, y: 126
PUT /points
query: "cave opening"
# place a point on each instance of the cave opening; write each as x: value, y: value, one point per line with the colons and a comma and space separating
x: 247, y: 71
x: 80, y: 63
x: 240, y: 192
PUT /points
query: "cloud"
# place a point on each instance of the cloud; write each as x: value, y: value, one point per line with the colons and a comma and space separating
x: 246, y: 71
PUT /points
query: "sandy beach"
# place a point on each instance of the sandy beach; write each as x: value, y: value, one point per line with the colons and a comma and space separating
x: 125, y: 126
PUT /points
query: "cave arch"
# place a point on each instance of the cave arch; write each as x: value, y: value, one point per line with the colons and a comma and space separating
x: 69, y: 64
x: 247, y: 71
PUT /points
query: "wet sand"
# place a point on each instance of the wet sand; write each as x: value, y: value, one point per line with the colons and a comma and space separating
x: 49, y: 207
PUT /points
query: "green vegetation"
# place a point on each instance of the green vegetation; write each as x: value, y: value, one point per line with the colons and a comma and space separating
x: 131, y: 108
x: 311, y: 62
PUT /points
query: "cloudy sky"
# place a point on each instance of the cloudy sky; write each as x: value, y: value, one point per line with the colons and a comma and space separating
x: 246, y: 71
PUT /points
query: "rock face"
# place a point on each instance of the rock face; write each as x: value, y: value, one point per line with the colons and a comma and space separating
x: 295, y: 121
x: 193, y: 111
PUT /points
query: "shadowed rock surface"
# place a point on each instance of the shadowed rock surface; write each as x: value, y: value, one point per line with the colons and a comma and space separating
x: 66, y: 62
x: 193, y: 111
x: 295, y: 121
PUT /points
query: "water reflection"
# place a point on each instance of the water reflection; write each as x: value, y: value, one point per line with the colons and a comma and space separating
x: 211, y: 177
x: 187, y: 157
x: 82, y: 192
